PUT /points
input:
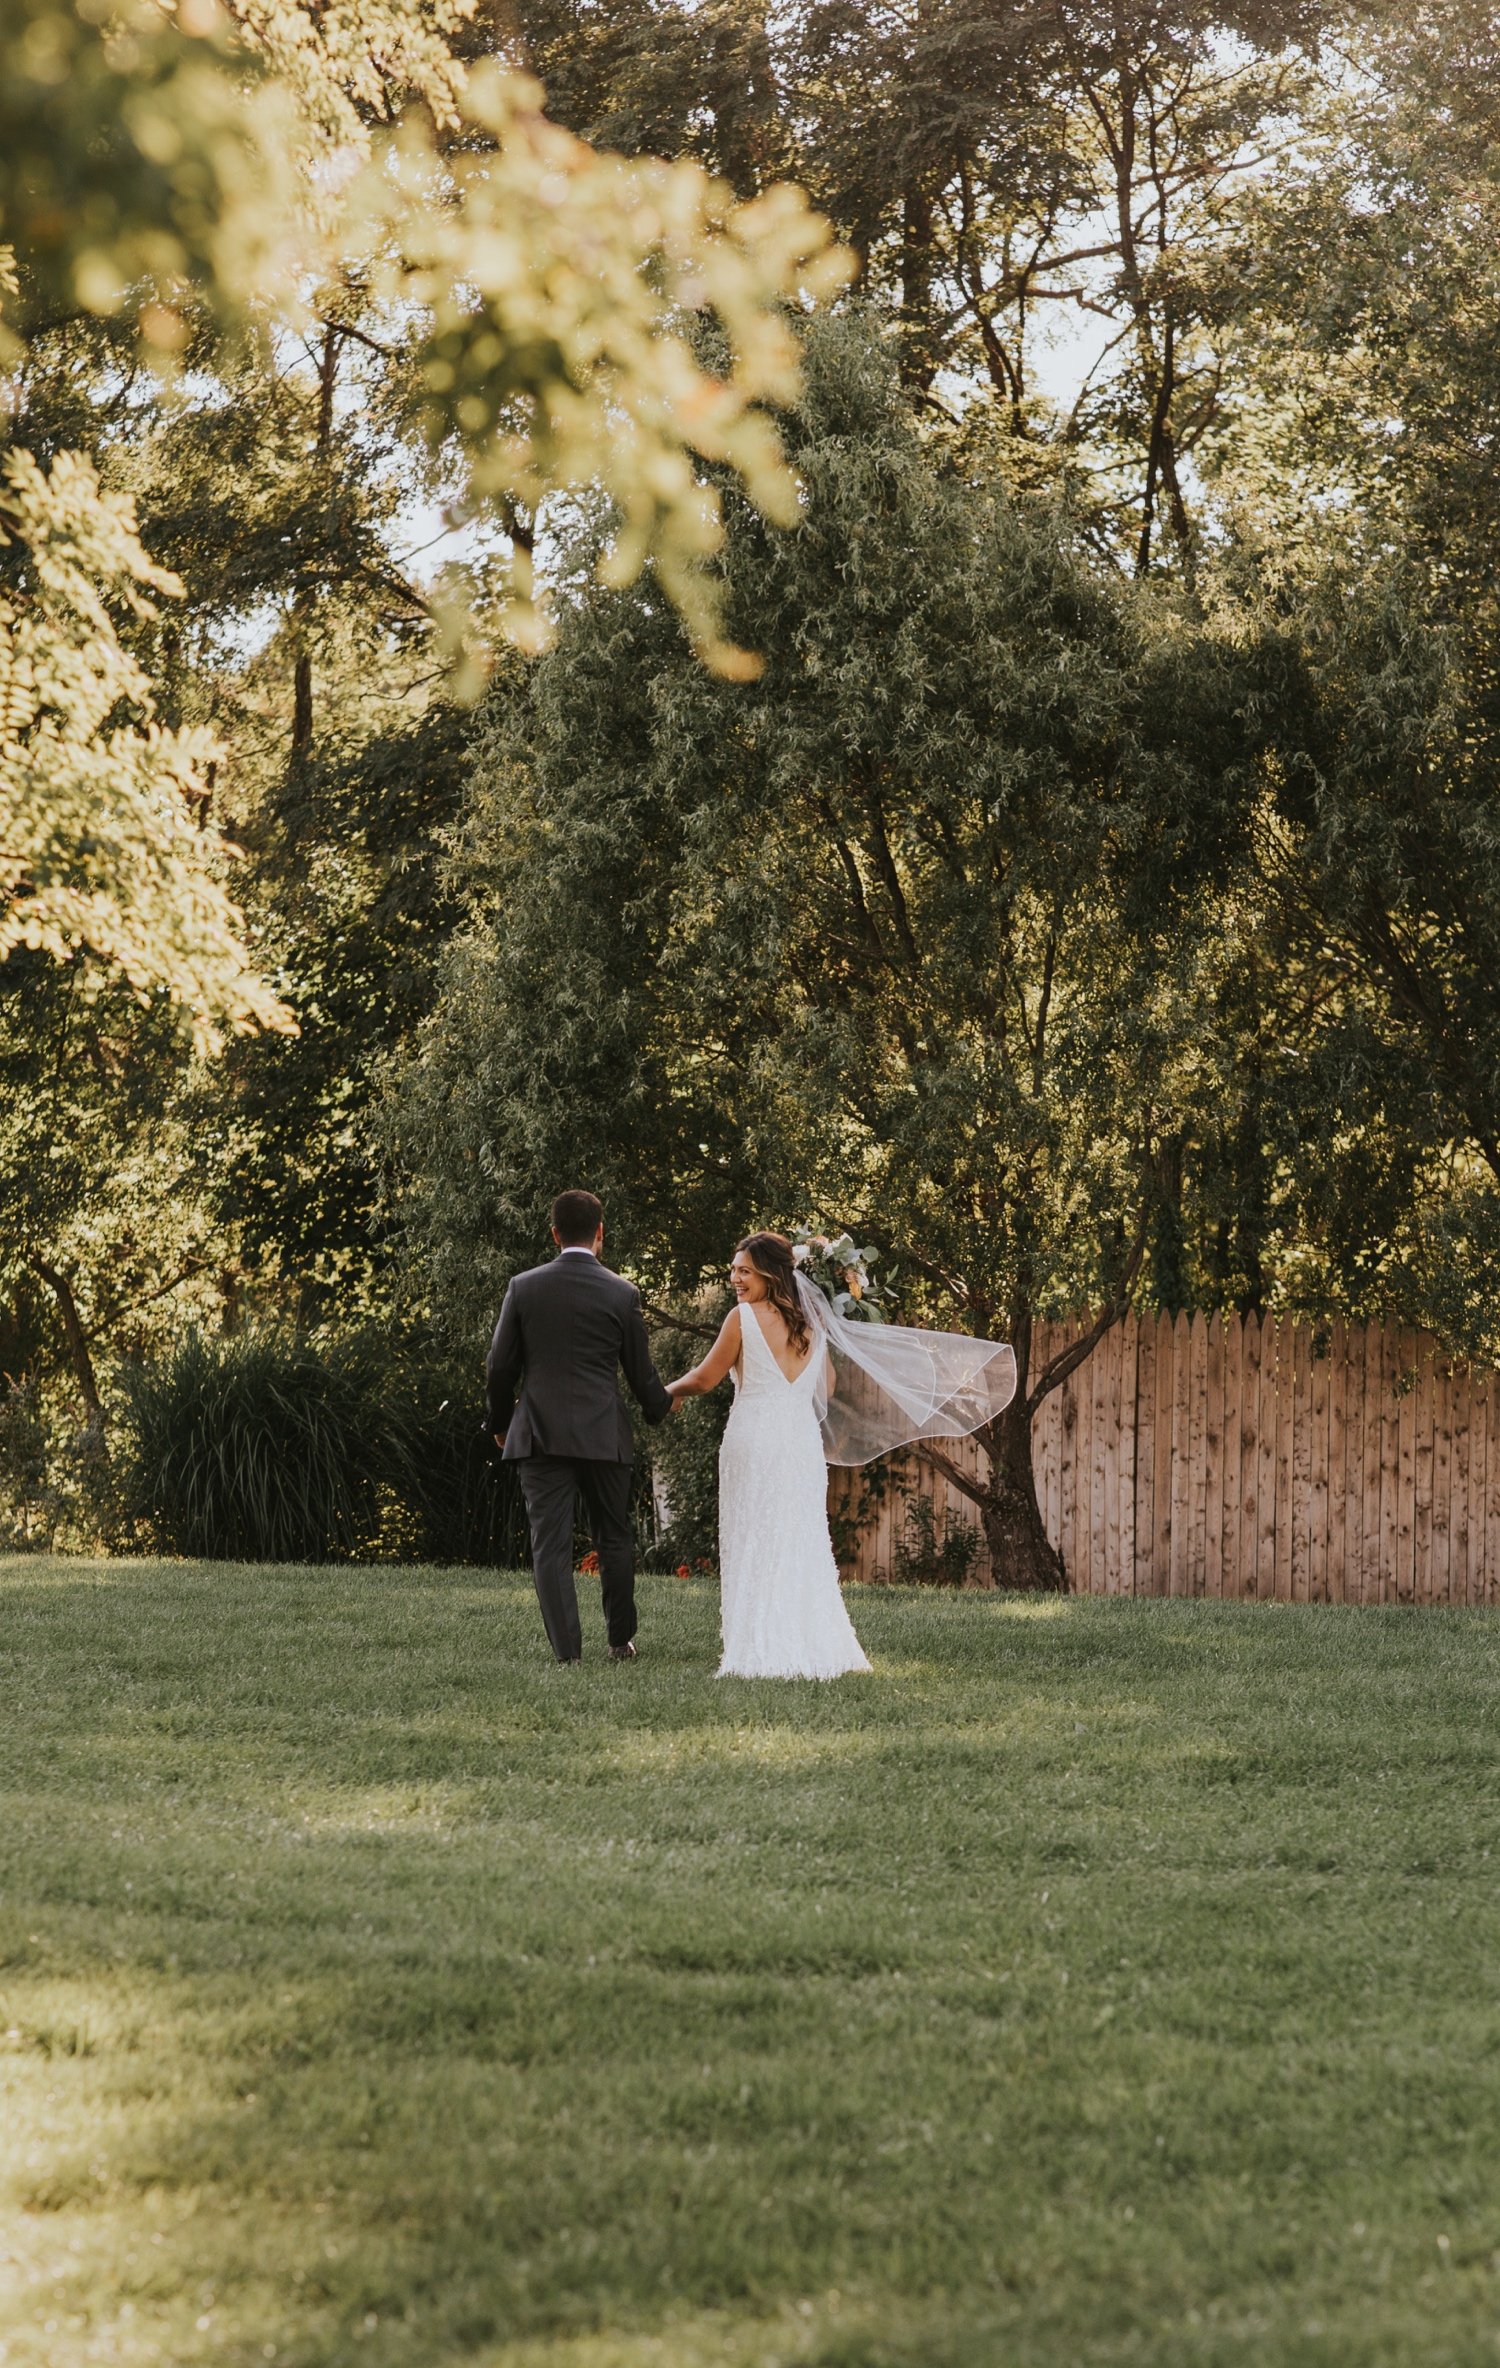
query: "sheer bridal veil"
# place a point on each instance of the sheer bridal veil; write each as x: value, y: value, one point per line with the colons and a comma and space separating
x: 893, y: 1384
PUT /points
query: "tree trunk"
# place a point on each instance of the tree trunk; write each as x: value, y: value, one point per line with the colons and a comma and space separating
x: 77, y: 1340
x: 1021, y: 1555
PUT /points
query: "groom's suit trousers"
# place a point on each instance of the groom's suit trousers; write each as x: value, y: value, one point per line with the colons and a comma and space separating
x: 550, y: 1484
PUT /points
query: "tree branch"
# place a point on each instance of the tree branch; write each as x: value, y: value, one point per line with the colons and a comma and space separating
x: 115, y: 1314
x: 75, y: 1336
x: 1068, y: 1360
x: 668, y: 1322
x: 953, y: 1473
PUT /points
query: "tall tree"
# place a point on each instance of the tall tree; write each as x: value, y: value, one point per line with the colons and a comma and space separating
x: 910, y: 934
x: 1010, y: 177
x: 1362, y: 505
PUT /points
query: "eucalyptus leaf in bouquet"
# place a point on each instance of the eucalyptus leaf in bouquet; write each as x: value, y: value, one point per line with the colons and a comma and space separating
x: 840, y: 1269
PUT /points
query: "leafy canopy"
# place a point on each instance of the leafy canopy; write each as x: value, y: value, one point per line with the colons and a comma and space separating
x: 154, y: 161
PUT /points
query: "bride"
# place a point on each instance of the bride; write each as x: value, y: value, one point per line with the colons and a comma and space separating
x: 811, y: 1389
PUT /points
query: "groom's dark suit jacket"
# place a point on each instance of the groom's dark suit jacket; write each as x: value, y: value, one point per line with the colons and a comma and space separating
x: 565, y: 1331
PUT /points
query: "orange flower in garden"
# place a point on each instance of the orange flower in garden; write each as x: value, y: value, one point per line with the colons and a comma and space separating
x: 589, y: 1567
x: 683, y: 1572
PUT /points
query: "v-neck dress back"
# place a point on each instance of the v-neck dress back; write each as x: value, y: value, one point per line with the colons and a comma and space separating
x: 783, y: 1613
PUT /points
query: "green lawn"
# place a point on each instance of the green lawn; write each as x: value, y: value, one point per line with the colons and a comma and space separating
x: 1097, y: 1982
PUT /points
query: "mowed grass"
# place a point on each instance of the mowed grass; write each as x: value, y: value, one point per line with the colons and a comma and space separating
x: 1098, y: 1982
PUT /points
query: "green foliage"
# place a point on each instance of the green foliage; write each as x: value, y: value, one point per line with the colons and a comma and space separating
x: 912, y: 932
x: 841, y: 1271
x: 101, y: 846
x: 30, y: 1508
x: 1012, y: 180
x: 922, y: 1558
x: 302, y: 1450
x: 1200, y: 886
x: 1038, y: 1996
x: 255, y: 1446
x: 268, y: 165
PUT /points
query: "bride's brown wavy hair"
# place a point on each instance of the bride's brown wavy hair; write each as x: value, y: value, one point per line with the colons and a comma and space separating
x: 771, y: 1256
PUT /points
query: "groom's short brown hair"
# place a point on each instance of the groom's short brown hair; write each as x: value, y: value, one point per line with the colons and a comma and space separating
x: 576, y: 1217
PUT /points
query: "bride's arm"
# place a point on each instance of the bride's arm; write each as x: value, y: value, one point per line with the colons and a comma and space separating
x: 715, y: 1365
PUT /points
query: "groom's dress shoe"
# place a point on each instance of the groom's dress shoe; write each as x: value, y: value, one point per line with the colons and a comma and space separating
x: 623, y: 1652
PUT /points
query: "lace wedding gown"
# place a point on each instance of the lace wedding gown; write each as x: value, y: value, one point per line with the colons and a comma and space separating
x: 782, y: 1610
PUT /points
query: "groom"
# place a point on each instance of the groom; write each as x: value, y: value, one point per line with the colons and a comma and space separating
x: 554, y: 1407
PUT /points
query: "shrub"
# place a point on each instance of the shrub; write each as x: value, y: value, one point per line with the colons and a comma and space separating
x: 261, y: 1447
x: 255, y: 1448
x: 683, y: 1452
x: 923, y: 1559
x: 30, y: 1505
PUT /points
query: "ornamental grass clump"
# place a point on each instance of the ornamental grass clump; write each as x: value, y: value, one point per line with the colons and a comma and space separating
x: 261, y: 1448
x: 264, y: 1447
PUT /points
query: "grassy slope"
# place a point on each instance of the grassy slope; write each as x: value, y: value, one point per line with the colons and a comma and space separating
x: 1098, y: 1982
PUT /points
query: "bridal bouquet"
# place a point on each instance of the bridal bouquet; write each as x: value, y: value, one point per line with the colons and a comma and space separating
x: 841, y: 1271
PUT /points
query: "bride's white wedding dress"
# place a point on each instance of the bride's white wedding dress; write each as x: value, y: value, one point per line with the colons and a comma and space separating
x: 782, y: 1610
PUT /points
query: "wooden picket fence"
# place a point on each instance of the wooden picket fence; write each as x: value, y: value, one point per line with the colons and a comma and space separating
x: 1241, y: 1458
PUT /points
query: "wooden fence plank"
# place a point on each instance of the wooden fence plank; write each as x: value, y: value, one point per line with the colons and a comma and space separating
x: 1107, y: 1462
x: 1286, y: 1417
x: 1181, y: 1471
x: 1129, y: 1471
x: 1442, y: 1477
x: 1301, y: 1458
x: 1478, y: 1445
x: 1390, y: 1463
x: 1145, y: 1452
x: 1351, y: 1462
x: 1406, y: 1450
x: 1333, y: 1588
x: 1488, y: 1468
x: 1083, y: 1482
x: 1249, y: 1545
x: 1459, y: 1384
x: 1083, y: 1478
x: 1270, y: 1432
x: 1424, y: 1425
x: 1352, y: 1476
x: 1166, y: 1398
x: 1346, y: 1463
x: 1320, y: 1379
x: 1369, y: 1412
x: 1231, y: 1355
x: 1213, y: 1457
x: 1489, y: 1501
x: 1363, y: 1462
x: 1197, y: 1450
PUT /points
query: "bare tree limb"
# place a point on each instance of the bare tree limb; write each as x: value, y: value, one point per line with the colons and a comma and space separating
x: 953, y: 1473
x: 668, y: 1322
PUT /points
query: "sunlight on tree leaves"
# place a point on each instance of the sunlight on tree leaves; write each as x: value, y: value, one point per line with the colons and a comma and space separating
x: 100, y: 842
x: 154, y: 160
